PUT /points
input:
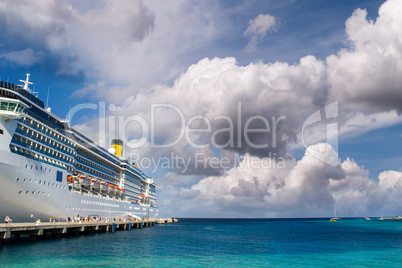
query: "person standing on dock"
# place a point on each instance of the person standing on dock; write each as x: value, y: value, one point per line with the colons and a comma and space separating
x: 7, y: 220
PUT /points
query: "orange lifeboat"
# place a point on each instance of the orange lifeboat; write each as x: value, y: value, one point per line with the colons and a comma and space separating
x: 103, y: 186
x: 111, y: 189
x: 117, y: 189
x: 70, y: 178
x: 95, y: 184
x: 84, y: 181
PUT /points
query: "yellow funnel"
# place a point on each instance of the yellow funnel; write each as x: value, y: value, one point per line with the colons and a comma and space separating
x: 117, y: 144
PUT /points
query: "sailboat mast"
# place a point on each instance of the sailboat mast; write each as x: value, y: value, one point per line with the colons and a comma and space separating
x: 335, y: 210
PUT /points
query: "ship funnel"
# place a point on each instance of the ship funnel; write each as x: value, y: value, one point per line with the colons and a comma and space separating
x: 117, y: 144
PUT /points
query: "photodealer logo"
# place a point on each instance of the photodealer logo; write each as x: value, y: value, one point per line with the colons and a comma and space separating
x: 328, y: 117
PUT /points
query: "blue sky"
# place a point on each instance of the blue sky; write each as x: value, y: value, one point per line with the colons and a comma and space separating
x: 276, y: 58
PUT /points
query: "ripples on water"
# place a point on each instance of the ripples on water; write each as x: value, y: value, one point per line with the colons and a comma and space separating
x: 222, y: 242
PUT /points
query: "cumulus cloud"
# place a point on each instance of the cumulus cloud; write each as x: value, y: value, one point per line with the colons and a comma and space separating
x: 218, y: 107
x: 366, y: 76
x: 257, y: 29
x: 362, y: 78
x: 25, y: 58
x: 34, y: 23
x: 116, y: 42
x: 225, y: 99
x: 304, y: 188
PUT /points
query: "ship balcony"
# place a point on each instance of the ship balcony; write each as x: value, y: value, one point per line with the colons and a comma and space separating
x: 11, y: 108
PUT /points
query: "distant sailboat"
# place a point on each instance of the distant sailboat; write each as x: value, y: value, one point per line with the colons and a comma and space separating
x: 334, y: 219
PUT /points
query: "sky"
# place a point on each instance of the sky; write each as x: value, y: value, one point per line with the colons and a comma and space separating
x: 235, y: 108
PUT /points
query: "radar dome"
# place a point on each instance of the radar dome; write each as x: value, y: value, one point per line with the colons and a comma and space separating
x: 112, y: 150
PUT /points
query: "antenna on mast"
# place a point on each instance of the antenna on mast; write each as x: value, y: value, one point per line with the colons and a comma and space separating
x: 27, y: 83
x: 47, y: 99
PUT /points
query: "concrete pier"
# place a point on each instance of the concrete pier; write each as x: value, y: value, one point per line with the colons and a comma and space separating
x: 57, y: 229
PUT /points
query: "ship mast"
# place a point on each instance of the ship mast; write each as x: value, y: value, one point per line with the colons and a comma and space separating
x: 27, y: 83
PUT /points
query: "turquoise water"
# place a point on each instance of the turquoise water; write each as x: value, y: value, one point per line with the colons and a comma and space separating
x: 222, y: 243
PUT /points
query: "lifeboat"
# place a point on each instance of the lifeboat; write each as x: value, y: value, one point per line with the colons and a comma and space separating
x: 70, y: 178
x: 111, y: 189
x: 103, y: 186
x: 95, y: 184
x: 118, y: 190
x: 84, y: 181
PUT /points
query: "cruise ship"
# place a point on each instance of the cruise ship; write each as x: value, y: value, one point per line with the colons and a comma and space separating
x: 48, y: 169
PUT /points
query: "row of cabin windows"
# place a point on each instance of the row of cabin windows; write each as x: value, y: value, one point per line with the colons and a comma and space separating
x: 40, y: 182
x: 93, y: 164
x: 133, y: 186
x: 95, y: 172
x: 99, y: 203
x: 27, y: 166
x: 134, y: 181
x: 91, y: 210
x: 43, y: 149
x: 45, y: 139
x: 33, y: 192
x: 92, y: 157
x: 35, y: 123
x: 33, y: 155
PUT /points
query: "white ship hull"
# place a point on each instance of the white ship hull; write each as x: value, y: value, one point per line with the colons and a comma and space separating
x: 26, y: 190
x: 39, y: 152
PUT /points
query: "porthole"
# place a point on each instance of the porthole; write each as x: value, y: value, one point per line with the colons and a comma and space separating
x: 40, y: 182
x: 25, y: 180
x: 26, y: 192
x: 19, y: 192
x: 33, y: 192
x: 30, y: 180
x: 18, y: 179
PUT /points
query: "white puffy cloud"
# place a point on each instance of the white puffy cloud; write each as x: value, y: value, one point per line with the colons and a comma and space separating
x: 257, y: 29
x: 230, y: 99
x: 25, y: 58
x: 96, y: 40
x: 34, y: 23
x: 304, y: 188
x: 114, y: 42
x: 366, y: 77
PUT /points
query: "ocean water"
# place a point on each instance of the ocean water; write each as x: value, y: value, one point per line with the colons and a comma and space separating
x: 222, y: 243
